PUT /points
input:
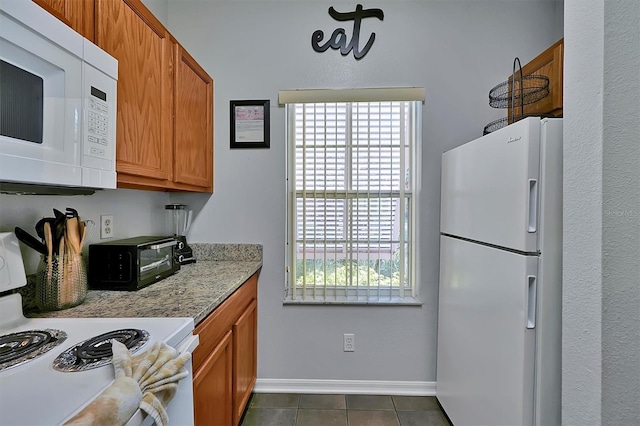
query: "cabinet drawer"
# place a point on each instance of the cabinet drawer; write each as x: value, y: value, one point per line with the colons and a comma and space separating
x: 221, y: 320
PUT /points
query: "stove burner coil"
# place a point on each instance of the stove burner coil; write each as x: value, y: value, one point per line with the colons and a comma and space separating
x: 18, y: 348
x: 100, y: 346
x: 96, y: 351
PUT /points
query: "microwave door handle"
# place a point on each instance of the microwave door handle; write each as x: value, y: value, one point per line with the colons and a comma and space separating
x: 163, y: 245
x: 155, y: 264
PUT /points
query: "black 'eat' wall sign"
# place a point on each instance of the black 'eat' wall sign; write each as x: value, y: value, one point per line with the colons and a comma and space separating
x: 339, y: 37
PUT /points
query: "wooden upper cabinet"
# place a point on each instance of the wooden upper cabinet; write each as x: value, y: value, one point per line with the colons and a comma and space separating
x: 193, y: 124
x: 164, y: 135
x: 131, y: 34
x: 78, y: 14
x: 549, y: 63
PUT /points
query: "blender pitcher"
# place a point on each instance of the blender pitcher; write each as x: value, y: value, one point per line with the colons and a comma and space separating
x: 178, y: 221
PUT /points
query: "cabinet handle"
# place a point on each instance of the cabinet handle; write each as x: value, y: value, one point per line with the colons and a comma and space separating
x: 531, y: 301
x: 533, y: 206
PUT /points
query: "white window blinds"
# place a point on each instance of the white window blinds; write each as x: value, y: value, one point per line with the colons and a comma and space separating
x: 352, y: 168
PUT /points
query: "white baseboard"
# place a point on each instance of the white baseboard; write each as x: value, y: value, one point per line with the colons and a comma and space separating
x: 363, y: 387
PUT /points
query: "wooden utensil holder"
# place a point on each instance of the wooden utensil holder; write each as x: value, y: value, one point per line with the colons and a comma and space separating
x: 61, y: 284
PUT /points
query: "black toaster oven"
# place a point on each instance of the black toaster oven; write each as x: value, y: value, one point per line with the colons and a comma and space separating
x: 132, y: 263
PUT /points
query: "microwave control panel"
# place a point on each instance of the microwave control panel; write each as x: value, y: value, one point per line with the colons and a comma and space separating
x: 97, y: 137
x: 98, y: 122
x: 100, y: 118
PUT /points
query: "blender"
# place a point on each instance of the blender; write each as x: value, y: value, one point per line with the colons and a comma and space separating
x: 178, y: 218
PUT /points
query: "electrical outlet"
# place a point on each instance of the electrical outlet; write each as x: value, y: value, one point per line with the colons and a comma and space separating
x: 349, y: 342
x: 106, y: 226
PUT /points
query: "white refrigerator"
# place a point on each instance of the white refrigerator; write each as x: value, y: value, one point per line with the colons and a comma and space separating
x: 500, y: 299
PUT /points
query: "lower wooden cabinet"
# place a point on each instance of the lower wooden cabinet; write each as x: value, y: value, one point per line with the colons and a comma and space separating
x: 244, y: 359
x: 213, y: 386
x: 225, y: 362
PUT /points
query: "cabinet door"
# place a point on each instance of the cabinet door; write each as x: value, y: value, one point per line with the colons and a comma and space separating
x: 549, y: 63
x: 212, y: 386
x: 245, y: 344
x: 129, y: 32
x: 193, y: 138
x: 78, y: 14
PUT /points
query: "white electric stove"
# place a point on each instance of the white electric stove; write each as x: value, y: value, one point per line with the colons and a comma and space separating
x: 50, y: 384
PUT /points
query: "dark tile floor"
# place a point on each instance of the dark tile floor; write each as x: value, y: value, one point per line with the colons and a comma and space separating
x: 286, y: 409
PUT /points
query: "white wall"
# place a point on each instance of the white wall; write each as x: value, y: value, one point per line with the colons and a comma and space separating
x: 601, y: 300
x: 159, y: 8
x: 457, y: 50
x: 134, y: 213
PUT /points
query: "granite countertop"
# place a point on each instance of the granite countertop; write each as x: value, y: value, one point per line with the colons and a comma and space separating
x: 194, y: 291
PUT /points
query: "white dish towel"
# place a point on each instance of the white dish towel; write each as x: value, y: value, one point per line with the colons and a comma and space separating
x: 147, y: 381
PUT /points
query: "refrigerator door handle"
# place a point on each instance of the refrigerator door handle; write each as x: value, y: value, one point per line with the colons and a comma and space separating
x: 531, y: 301
x: 532, y: 222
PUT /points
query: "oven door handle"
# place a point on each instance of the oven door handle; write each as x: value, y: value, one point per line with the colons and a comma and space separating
x: 189, y: 344
x: 163, y: 245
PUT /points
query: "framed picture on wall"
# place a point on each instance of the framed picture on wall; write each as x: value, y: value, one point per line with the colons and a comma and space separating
x: 249, y: 124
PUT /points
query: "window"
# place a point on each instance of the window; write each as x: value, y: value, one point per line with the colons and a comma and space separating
x: 352, y: 173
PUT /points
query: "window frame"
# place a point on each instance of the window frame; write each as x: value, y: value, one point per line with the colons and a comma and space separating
x: 355, y: 294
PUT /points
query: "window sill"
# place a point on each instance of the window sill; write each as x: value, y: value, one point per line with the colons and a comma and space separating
x: 394, y: 301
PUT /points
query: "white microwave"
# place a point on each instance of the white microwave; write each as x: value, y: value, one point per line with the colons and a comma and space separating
x: 57, y: 102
